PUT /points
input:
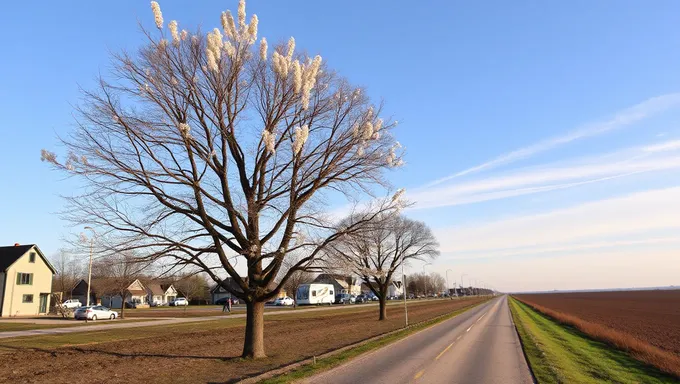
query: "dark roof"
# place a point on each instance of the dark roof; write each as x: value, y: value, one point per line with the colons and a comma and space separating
x: 231, y: 283
x: 9, y: 255
x: 155, y: 289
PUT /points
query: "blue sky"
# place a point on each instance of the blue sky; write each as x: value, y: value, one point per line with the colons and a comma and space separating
x: 586, y: 92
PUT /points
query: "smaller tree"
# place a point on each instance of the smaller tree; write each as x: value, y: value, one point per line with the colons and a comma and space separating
x: 193, y: 287
x: 436, y: 282
x: 377, y: 251
x: 115, y: 272
x: 69, y: 271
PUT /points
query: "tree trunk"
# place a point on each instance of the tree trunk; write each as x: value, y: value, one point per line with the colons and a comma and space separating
x: 253, y: 347
x: 383, y: 307
x: 122, y: 307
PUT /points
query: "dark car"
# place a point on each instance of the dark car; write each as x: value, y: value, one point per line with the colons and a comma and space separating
x: 361, y: 299
x: 344, y: 298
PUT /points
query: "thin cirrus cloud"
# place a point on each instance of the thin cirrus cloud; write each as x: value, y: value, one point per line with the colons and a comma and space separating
x: 632, y: 216
x: 577, y: 172
x: 621, y: 119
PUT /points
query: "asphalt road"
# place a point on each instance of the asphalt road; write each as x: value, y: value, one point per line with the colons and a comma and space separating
x: 479, y: 346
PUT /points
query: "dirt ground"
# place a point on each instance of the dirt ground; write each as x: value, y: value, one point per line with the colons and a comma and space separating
x: 210, y: 356
x: 651, y: 316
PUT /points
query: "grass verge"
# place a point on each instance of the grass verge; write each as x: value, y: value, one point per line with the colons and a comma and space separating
x: 334, y: 360
x: 559, y: 353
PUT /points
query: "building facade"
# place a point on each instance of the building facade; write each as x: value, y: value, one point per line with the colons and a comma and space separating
x: 25, y: 281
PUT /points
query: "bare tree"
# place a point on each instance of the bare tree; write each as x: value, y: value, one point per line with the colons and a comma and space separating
x: 193, y: 287
x: 378, y: 251
x: 436, y: 282
x: 69, y: 272
x: 112, y: 275
x: 206, y: 150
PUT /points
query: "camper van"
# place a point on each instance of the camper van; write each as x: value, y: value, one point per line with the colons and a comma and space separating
x: 315, y: 294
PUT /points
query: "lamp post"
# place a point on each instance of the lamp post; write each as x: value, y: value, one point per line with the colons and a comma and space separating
x: 89, y: 268
x: 425, y: 280
x: 448, y: 286
x: 461, y: 282
x: 403, y: 283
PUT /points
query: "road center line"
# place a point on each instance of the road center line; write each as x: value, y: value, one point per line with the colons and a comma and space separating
x: 418, y: 375
x: 443, y: 352
x: 468, y: 330
x: 481, y: 317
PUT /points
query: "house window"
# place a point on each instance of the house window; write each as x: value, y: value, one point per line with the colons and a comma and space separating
x: 24, y: 278
x: 27, y: 299
x: 31, y: 257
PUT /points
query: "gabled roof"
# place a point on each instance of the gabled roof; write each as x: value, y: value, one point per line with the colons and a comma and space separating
x: 230, y: 282
x: 9, y: 255
x: 155, y: 289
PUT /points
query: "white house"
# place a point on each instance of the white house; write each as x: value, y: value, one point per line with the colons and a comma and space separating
x: 395, y: 289
x: 160, y: 294
x: 25, y: 281
x: 135, y: 295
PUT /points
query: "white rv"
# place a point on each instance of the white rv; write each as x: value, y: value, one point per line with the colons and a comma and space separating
x: 315, y: 294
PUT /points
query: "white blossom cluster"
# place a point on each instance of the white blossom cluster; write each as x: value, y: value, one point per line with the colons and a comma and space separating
x: 172, y: 26
x: 304, y: 74
x: 184, y: 129
x: 157, y: 15
x: 48, y: 156
x: 269, y: 139
x: 392, y: 159
x: 301, y: 135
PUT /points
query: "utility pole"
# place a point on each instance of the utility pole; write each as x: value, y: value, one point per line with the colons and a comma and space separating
x: 448, y: 286
x: 461, y: 282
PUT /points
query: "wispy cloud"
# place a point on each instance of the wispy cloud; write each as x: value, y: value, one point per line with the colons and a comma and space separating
x: 634, y: 216
x: 566, y: 174
x: 621, y: 119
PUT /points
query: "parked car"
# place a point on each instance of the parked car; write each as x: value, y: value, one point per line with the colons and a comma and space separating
x: 72, y: 303
x: 362, y: 299
x: 94, y: 313
x: 284, y: 301
x: 180, y: 301
x: 344, y: 298
x: 373, y: 297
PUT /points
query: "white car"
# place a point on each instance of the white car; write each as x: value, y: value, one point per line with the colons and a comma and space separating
x: 72, y: 303
x: 95, y: 313
x: 180, y: 301
x: 284, y: 301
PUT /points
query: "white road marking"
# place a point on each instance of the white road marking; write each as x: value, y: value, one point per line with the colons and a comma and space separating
x: 481, y: 317
x: 468, y: 330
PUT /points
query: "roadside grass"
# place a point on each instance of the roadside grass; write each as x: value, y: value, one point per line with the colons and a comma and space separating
x: 11, y: 326
x: 562, y: 354
x: 96, y: 337
x: 327, y: 363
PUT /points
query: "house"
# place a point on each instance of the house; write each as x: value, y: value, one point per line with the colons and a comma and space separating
x: 160, y: 294
x: 80, y: 292
x: 25, y: 281
x: 218, y: 292
x: 342, y: 284
x: 135, y: 295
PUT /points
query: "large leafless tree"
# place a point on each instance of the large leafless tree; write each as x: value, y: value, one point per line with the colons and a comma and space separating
x: 378, y: 251
x: 205, y: 150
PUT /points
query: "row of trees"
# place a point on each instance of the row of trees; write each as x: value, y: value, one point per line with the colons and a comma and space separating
x: 425, y: 284
x: 202, y: 152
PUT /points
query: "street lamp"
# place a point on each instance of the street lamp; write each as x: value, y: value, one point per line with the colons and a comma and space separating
x: 403, y: 289
x: 448, y: 286
x: 461, y: 282
x: 89, y: 268
x: 425, y: 280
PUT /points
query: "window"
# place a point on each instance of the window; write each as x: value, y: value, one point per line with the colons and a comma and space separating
x: 24, y: 278
x: 31, y: 257
x: 313, y: 293
x: 27, y: 299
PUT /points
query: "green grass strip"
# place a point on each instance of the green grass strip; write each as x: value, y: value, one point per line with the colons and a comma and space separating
x: 330, y: 362
x: 562, y: 354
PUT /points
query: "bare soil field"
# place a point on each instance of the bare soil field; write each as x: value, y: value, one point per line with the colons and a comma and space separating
x: 645, y: 323
x: 210, y: 355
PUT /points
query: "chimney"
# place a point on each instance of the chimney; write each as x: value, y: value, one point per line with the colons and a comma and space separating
x: 16, y: 244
